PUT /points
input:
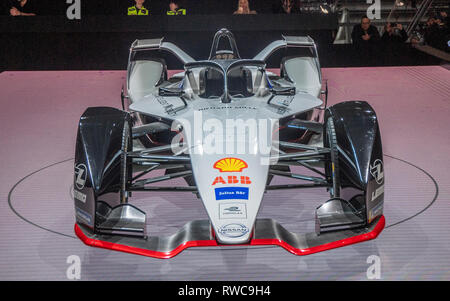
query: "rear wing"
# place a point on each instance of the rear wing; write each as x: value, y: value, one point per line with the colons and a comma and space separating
x: 300, y: 41
x: 146, y: 44
x: 158, y: 44
x: 288, y: 41
x: 291, y: 41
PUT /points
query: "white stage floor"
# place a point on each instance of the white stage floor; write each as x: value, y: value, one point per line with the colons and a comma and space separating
x: 39, y: 116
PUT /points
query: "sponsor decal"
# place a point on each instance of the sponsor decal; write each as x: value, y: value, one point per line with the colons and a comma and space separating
x: 281, y: 110
x: 231, y: 193
x: 232, y: 180
x: 286, y: 102
x: 78, y: 195
x: 379, y: 191
x: 86, y: 217
x: 166, y: 105
x: 80, y: 174
x: 233, y: 230
x: 377, y: 171
x: 230, y: 165
x: 232, y: 210
x: 227, y: 108
x: 377, y: 210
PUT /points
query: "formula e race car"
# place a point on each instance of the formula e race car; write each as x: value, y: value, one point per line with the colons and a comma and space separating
x: 227, y: 126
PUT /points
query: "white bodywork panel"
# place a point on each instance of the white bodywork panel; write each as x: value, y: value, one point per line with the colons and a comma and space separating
x: 232, y: 199
x: 143, y: 78
x: 303, y: 72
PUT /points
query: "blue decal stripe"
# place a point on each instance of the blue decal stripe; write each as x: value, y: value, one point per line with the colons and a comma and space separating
x: 231, y: 193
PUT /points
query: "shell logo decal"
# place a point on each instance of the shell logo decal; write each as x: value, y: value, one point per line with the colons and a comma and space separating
x: 230, y: 165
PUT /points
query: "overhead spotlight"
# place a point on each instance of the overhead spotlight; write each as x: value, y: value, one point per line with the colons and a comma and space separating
x: 399, y: 3
x: 324, y: 10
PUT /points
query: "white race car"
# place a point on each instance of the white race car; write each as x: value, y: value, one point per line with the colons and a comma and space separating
x: 227, y: 126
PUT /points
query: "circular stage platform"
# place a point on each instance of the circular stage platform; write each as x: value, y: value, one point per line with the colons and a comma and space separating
x: 37, y: 216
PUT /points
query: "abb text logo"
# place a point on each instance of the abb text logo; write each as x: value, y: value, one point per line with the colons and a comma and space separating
x: 232, y: 180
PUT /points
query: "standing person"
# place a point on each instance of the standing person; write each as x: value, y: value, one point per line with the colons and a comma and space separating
x: 286, y: 7
x: 436, y: 33
x: 365, y: 39
x: 138, y: 9
x: 393, y: 40
x: 22, y: 8
x: 394, y: 33
x: 432, y: 33
x: 443, y: 15
x: 244, y: 8
x: 175, y: 9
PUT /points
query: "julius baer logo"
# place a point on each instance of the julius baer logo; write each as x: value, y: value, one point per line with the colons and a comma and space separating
x: 231, y: 165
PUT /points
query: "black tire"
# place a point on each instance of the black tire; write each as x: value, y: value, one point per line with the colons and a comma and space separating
x: 332, y: 166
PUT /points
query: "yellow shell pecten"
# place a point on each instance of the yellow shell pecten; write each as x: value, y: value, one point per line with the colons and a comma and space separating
x: 230, y: 165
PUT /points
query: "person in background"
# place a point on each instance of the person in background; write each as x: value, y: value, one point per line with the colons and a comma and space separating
x: 175, y: 9
x: 394, y: 33
x: 138, y: 9
x: 286, y: 7
x: 22, y: 8
x: 436, y: 33
x: 365, y: 33
x: 393, y: 41
x: 431, y: 33
x: 365, y: 39
x: 443, y: 16
x: 244, y: 8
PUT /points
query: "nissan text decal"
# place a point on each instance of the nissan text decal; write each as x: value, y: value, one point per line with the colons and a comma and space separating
x: 233, y: 230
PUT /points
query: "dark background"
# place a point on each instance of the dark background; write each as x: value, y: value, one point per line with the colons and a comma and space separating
x: 101, y: 39
x: 156, y: 7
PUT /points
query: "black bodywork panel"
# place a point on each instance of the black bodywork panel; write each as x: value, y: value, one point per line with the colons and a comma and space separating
x: 98, y: 161
x: 360, y: 156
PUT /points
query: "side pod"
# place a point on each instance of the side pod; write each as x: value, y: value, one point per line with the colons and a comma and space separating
x: 361, y: 171
x: 102, y: 172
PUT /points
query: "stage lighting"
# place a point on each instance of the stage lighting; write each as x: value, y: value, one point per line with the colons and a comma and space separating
x: 323, y: 9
